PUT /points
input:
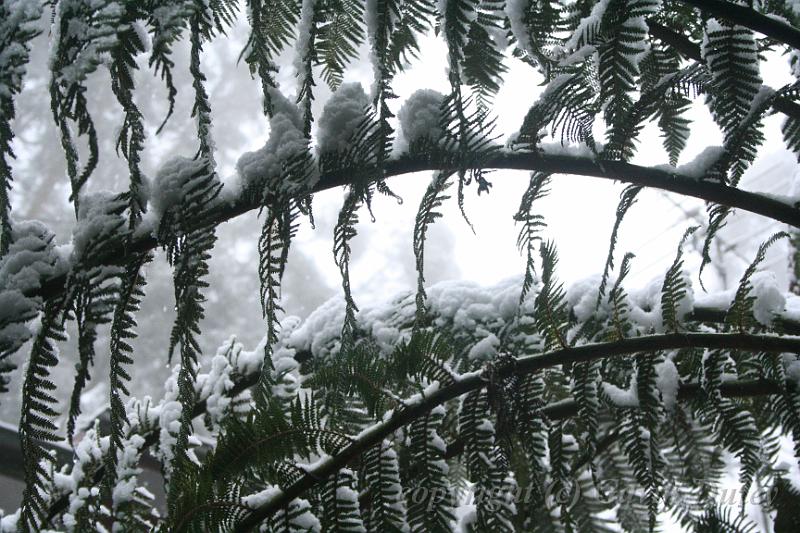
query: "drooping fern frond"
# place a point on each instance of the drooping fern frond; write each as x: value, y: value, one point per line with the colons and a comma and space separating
x: 741, y: 314
x: 674, y: 288
x: 340, y: 31
x: 533, y: 23
x: 386, y: 510
x: 665, y: 101
x: 17, y: 29
x: 83, y: 34
x: 188, y: 237
x: 168, y: 20
x: 427, y: 214
x: 551, y: 314
x: 620, y: 50
x: 428, y: 494
x: 568, y: 105
x: 131, y: 136
x: 123, y: 331
x: 271, y: 30
x: 483, y: 66
x: 626, y: 200
x: 731, y: 55
x: 343, y: 233
x: 38, y: 412
x: 617, y: 299
x: 717, y: 214
x: 532, y: 224
x: 340, y: 503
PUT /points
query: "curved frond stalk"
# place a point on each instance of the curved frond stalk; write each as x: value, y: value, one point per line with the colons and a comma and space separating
x: 427, y: 214
x: 626, y: 200
x: 532, y: 224
x: 343, y: 233
x: 674, y: 288
x: 741, y: 314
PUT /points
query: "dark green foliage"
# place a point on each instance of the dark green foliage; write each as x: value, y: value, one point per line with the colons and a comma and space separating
x: 271, y: 24
x: 378, y: 434
x: 381, y: 476
x: 426, y: 215
x: 626, y: 200
x: 551, y: 314
x: 731, y: 56
x: 532, y: 224
x: 673, y: 290
x: 740, y: 313
x: 340, y: 32
x: 123, y: 331
x: 38, y: 411
x: 429, y: 494
x: 17, y: 29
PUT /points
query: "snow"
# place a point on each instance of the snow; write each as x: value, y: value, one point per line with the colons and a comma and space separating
x: 127, y: 470
x: 485, y: 349
x: 262, y: 497
x: 341, y: 117
x: 697, y: 167
x: 420, y: 116
x: 31, y: 258
x: 173, y: 181
x: 667, y: 381
x: 582, y: 297
x: 515, y: 11
x: 769, y: 298
x: 214, y: 385
x: 303, y: 35
x: 586, y: 26
x: 263, y: 168
x: 620, y: 397
x: 8, y: 523
x: 99, y: 219
x: 569, y: 149
x: 18, y: 17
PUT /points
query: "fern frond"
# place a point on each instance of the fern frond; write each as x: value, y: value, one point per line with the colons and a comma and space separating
x: 532, y: 224
x: 340, y: 503
x: 429, y: 495
x: 386, y: 509
x: 626, y: 200
x: 340, y: 32
x: 427, y: 214
x: 550, y: 309
x: 740, y: 314
x: 731, y: 55
x: 38, y: 411
x: 674, y: 288
x: 18, y: 27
